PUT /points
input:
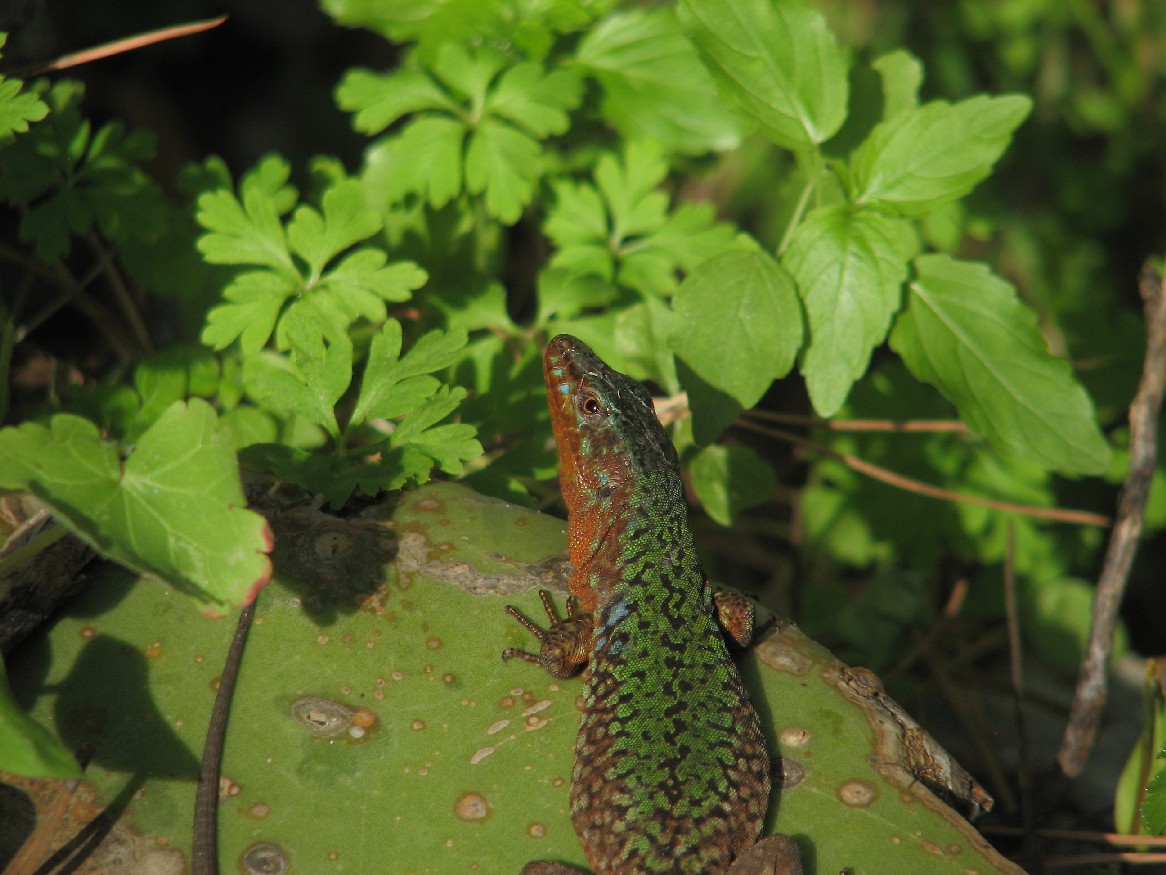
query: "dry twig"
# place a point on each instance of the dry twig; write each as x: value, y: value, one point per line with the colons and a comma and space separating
x: 1089, y: 700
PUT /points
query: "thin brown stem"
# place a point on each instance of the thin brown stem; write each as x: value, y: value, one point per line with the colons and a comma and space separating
x: 908, y: 425
x: 121, y: 292
x: 1077, y: 835
x: 1089, y: 700
x: 117, y: 47
x: 908, y: 484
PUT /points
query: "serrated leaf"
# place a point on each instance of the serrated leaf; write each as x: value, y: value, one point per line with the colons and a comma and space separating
x: 246, y: 232
x: 621, y: 228
x: 308, y: 383
x: 849, y: 267
x: 26, y: 747
x: 931, y: 154
x: 447, y: 445
x: 738, y: 328
x: 654, y: 85
x: 427, y: 159
x: 534, y: 100
x: 175, y: 507
x: 66, y: 178
x: 394, y: 385
x: 379, y: 100
x: 504, y: 164
x: 966, y: 332
x: 777, y: 61
x: 254, y: 301
x: 17, y: 110
x: 730, y: 480
x: 346, y: 220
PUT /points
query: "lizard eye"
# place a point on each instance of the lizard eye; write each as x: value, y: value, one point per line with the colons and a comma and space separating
x: 590, y: 404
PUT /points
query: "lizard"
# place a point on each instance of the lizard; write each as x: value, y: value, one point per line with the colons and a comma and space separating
x: 671, y: 772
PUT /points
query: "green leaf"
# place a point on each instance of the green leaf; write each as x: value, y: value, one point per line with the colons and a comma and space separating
x: 174, y: 508
x: 901, y: 74
x: 309, y: 383
x: 730, y: 480
x: 503, y: 108
x: 849, y: 266
x: 504, y: 164
x: 777, y: 61
x: 394, y: 385
x: 379, y: 100
x: 1154, y: 805
x: 621, y: 228
x: 346, y: 221
x: 655, y: 87
x: 17, y: 110
x: 965, y: 332
x: 26, y: 748
x: 68, y: 179
x: 738, y: 327
x: 447, y: 445
x: 302, y: 290
x: 931, y: 154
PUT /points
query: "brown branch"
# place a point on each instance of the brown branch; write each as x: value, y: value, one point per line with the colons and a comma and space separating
x: 1089, y: 700
x: 909, y: 425
x: 117, y: 47
x: 908, y: 484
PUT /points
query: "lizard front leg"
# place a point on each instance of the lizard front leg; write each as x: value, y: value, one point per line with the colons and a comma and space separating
x: 563, y: 646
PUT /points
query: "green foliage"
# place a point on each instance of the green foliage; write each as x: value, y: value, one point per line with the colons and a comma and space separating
x: 1154, y: 806
x: 26, y: 748
x: 301, y: 279
x: 17, y: 110
x: 747, y: 204
x: 173, y: 508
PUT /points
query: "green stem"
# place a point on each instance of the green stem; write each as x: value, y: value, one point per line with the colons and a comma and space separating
x: 812, y: 169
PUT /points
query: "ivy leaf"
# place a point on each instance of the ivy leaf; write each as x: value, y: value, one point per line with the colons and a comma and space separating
x: 730, y: 480
x: 928, y: 155
x: 738, y: 327
x: 849, y: 266
x: 777, y: 61
x: 173, y: 509
x: 965, y: 332
x: 26, y: 747
x: 655, y: 87
x: 17, y: 110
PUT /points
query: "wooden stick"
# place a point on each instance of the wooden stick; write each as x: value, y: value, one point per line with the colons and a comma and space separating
x: 1089, y: 700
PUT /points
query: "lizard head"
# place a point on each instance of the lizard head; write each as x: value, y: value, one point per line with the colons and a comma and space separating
x: 613, y: 452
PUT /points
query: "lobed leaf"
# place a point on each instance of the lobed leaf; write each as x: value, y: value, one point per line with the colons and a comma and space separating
x: 777, y: 61
x: 849, y: 266
x: 17, y: 110
x: 965, y: 332
x: 174, y: 508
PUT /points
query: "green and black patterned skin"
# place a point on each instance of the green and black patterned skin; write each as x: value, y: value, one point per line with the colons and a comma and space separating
x: 671, y: 771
